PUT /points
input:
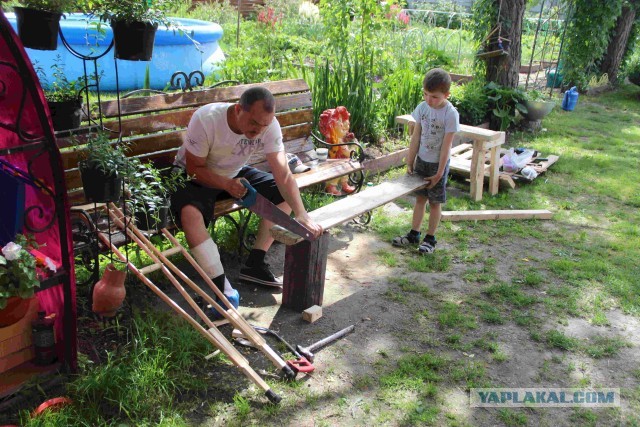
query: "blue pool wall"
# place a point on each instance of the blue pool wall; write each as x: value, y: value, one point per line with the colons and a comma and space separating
x: 172, y: 52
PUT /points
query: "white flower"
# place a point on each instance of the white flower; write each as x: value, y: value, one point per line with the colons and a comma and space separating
x: 11, y: 251
x: 50, y: 264
x: 309, y: 11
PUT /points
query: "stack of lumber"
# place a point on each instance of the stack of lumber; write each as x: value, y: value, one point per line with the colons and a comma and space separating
x: 461, y: 164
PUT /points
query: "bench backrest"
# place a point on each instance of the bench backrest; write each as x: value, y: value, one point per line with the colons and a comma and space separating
x: 154, y: 125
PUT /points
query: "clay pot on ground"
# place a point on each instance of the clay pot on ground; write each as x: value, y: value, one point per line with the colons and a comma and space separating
x: 15, y: 310
x: 109, y: 292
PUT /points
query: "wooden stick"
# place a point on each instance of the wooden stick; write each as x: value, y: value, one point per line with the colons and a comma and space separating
x: 495, y: 214
x: 212, y: 335
x: 231, y: 314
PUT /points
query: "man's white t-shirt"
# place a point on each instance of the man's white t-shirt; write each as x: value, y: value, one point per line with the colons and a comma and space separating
x: 435, y: 123
x: 210, y: 136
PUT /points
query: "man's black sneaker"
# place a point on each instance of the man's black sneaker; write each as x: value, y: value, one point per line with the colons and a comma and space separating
x: 259, y: 274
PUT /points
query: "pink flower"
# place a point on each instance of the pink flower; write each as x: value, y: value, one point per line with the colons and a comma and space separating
x: 268, y: 17
x: 404, y: 18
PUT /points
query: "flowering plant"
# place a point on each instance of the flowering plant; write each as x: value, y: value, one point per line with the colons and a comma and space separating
x: 18, y: 269
x: 269, y: 17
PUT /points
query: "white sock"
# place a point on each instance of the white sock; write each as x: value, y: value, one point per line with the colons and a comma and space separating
x: 228, y: 290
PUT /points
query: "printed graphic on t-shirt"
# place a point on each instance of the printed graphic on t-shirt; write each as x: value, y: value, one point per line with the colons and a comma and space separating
x: 246, y: 147
x: 434, y: 132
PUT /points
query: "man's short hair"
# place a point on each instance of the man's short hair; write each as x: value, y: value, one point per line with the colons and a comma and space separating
x: 437, y: 80
x: 255, y: 94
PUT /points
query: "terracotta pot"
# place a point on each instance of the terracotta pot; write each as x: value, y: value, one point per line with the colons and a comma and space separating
x: 109, y: 292
x: 15, y: 310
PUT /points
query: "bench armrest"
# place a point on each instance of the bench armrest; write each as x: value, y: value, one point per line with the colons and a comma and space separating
x: 357, y: 154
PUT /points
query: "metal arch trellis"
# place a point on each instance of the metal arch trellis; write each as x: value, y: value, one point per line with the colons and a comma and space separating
x: 552, y: 27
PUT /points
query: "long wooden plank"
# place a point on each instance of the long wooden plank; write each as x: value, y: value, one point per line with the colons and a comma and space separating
x: 496, y: 214
x: 465, y: 130
x: 356, y: 204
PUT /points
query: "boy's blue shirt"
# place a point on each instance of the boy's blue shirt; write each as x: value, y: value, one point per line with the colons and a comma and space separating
x: 435, y: 123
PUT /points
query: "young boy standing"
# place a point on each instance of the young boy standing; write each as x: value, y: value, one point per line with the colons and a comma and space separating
x: 436, y: 123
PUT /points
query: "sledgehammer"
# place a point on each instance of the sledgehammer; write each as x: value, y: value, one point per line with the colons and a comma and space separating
x: 307, y: 352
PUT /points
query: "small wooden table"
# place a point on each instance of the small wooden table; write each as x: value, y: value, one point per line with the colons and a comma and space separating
x: 483, y: 140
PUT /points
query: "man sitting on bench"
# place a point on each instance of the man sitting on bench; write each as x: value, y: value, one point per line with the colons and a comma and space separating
x: 219, y: 141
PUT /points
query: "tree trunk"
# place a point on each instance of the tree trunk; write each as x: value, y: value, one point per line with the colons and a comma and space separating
x: 504, y: 69
x: 618, y: 43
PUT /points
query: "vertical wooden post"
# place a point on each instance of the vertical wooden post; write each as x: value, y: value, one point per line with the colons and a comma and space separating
x: 305, y: 264
x: 494, y: 164
x: 494, y: 170
x: 477, y: 170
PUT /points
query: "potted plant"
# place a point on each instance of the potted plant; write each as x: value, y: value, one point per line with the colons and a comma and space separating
x: 38, y: 22
x: 134, y: 24
x: 538, y: 106
x: 19, y: 278
x: 64, y: 96
x: 102, y: 168
x: 149, y: 192
x: 503, y: 102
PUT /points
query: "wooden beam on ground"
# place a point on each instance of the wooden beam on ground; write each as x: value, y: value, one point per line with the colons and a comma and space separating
x: 496, y: 214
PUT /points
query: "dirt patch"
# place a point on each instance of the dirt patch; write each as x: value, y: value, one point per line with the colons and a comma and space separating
x: 392, y: 324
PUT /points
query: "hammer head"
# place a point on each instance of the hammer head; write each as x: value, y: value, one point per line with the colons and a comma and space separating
x: 304, y: 351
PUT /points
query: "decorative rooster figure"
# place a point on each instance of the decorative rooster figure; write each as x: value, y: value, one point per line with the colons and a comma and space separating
x: 334, y: 125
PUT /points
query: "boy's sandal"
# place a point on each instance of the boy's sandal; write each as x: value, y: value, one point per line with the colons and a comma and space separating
x: 402, y: 241
x: 426, y: 248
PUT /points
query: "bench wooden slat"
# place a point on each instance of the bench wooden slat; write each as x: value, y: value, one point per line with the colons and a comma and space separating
x: 180, y: 119
x: 163, y: 102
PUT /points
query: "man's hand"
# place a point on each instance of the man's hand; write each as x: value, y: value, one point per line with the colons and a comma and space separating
x: 235, y: 188
x: 432, y: 181
x: 315, y: 228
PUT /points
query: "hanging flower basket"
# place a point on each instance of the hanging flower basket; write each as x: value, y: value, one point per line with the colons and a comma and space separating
x: 100, y: 186
x: 134, y: 40
x: 38, y: 29
x: 66, y: 114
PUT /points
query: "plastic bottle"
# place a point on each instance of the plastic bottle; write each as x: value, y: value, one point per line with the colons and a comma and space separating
x: 570, y: 99
x: 43, y: 339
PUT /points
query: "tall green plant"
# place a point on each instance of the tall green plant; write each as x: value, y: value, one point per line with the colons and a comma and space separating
x: 347, y: 83
x: 400, y: 93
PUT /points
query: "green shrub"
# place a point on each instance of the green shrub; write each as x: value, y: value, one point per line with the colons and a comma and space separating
x: 633, y: 72
x: 471, y: 102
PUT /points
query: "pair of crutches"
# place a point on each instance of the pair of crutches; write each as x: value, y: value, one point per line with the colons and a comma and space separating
x: 212, y: 334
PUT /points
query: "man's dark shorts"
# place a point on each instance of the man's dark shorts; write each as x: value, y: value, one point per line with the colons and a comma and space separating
x: 437, y: 194
x: 204, y: 198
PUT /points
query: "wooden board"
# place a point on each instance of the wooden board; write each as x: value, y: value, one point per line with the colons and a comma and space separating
x: 496, y: 214
x: 356, y: 204
x: 461, y: 164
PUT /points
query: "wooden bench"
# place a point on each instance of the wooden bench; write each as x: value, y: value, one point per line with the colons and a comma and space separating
x: 154, y: 127
x: 484, y: 142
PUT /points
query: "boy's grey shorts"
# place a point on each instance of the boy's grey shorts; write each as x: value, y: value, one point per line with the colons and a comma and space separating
x: 437, y: 194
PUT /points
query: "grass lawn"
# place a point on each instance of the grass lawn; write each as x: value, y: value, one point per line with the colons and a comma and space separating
x: 499, y: 304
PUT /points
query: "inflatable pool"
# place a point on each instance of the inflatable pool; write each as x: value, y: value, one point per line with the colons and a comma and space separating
x: 194, y: 48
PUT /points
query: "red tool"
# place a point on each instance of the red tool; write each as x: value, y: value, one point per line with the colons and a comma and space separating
x: 262, y: 207
x: 301, y: 364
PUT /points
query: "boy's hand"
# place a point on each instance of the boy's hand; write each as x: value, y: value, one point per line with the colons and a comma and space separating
x: 432, y: 181
x: 409, y: 166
